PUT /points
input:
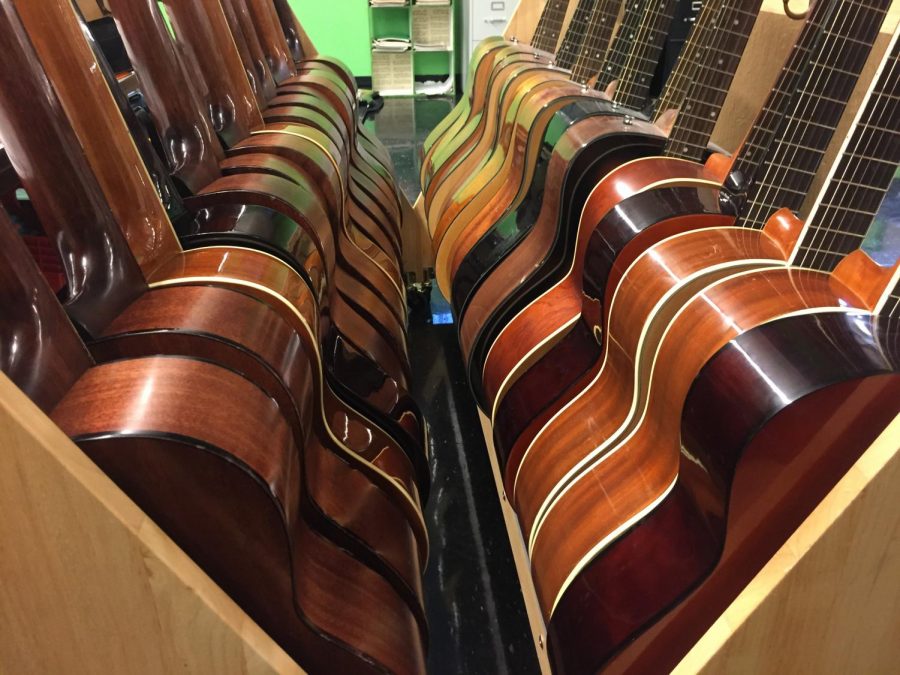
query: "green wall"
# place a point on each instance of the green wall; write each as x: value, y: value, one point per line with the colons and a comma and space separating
x: 340, y: 28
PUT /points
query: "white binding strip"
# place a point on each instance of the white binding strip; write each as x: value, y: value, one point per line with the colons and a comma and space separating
x: 753, y: 264
x: 612, y: 305
x: 606, y: 541
x: 230, y: 281
x: 649, y: 186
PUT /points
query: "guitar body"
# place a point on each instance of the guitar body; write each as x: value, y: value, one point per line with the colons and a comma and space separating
x: 489, y: 85
x: 559, y: 184
x: 612, y: 392
x: 191, y: 461
x: 462, y: 107
x: 636, y: 474
x: 516, y: 204
x: 472, y: 153
x: 763, y: 443
x: 555, y: 302
x: 484, y: 198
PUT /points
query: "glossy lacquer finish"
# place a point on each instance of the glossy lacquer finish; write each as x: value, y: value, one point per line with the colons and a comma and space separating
x: 556, y: 299
x: 462, y: 159
x: 532, y: 240
x: 613, y: 391
x: 770, y: 424
x: 191, y: 147
x: 101, y: 275
x: 230, y: 102
x: 39, y: 348
x: 649, y: 455
x: 240, y: 269
x: 193, y: 462
x: 568, y: 363
x: 262, y: 346
x: 273, y: 191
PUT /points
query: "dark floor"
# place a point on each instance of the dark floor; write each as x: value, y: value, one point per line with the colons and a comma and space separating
x: 475, y: 610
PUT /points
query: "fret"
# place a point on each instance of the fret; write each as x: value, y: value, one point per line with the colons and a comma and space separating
x: 849, y: 201
x: 621, y: 44
x: 550, y: 25
x: 599, y: 31
x: 634, y: 84
x: 576, y: 35
x: 724, y: 29
x: 823, y: 93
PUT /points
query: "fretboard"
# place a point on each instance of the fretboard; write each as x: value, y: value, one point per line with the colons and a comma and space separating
x: 722, y: 37
x: 849, y: 201
x: 691, y: 54
x: 803, y: 135
x: 621, y: 46
x: 634, y: 82
x: 596, y: 41
x: 575, y: 35
x: 546, y: 36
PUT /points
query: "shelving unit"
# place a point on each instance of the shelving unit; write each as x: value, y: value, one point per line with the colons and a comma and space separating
x: 428, y: 31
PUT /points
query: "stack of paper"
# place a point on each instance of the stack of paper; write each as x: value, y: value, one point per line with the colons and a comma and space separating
x: 434, y: 88
x: 389, y: 44
x: 433, y: 3
x: 431, y: 28
x: 389, y: 3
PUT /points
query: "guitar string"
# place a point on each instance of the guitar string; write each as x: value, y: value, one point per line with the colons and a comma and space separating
x: 710, y: 104
x: 751, y: 157
x: 576, y: 36
x: 629, y: 69
x: 865, y: 142
x: 697, y: 91
x: 621, y: 44
x: 778, y: 166
x: 829, y: 73
x: 640, y: 51
x: 642, y: 55
x: 600, y: 32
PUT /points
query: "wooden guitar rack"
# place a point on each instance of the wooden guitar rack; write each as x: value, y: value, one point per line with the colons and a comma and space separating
x: 90, y: 582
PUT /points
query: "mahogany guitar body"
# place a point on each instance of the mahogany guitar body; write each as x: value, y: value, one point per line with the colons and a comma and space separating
x: 636, y: 473
x: 548, y: 264
x: 462, y: 157
x: 496, y: 73
x: 195, y: 321
x: 763, y: 441
x: 193, y: 464
x: 554, y: 302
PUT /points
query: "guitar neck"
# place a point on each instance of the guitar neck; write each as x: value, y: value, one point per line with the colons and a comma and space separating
x: 698, y: 43
x: 634, y: 83
x: 596, y: 41
x: 546, y: 35
x: 801, y: 137
x: 856, y: 186
x: 574, y: 38
x: 710, y: 63
x: 620, y: 48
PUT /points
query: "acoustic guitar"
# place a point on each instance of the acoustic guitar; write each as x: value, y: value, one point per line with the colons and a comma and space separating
x: 783, y: 449
x: 242, y: 189
x: 168, y: 431
x: 510, y: 266
x: 635, y: 332
x: 200, y: 321
x: 502, y: 370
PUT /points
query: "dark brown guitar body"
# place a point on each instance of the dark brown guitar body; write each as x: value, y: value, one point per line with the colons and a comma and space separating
x: 763, y: 442
x: 169, y: 431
